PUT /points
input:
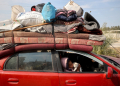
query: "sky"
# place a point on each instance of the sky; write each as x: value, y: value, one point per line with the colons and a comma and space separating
x: 104, y: 11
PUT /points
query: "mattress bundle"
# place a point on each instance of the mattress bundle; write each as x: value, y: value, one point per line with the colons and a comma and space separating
x: 81, y: 41
x: 67, y: 30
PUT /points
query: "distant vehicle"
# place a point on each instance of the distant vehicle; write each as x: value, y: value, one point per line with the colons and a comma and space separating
x: 43, y: 67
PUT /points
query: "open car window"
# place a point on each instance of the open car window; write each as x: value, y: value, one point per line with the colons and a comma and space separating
x: 88, y: 62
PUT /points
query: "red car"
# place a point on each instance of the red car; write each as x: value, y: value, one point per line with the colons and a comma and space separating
x: 35, y: 67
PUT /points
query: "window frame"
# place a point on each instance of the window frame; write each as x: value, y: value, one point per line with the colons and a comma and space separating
x: 60, y: 70
x: 4, y: 67
x: 54, y: 68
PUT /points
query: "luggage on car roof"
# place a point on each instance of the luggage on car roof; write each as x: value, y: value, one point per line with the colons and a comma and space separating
x: 53, y: 36
x: 91, y: 21
x: 71, y: 5
x: 48, y: 12
x: 39, y: 7
x: 16, y: 9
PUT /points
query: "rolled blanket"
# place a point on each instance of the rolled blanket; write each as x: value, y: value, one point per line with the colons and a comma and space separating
x: 82, y: 29
x: 91, y: 22
x: 36, y: 29
x: 90, y: 25
x: 65, y: 28
x: 97, y: 37
x: 64, y: 12
x: 7, y: 46
x: 68, y: 23
x: 61, y: 13
x: 70, y: 12
x: 87, y: 36
x: 69, y: 18
x: 61, y: 10
x: 40, y: 29
x: 59, y: 28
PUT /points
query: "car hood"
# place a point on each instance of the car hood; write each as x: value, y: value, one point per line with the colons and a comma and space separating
x: 113, y: 58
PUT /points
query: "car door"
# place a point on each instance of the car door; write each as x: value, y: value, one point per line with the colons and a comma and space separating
x: 90, y: 76
x: 30, y: 68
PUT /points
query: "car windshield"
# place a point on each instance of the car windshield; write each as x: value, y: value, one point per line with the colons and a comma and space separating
x: 109, y: 60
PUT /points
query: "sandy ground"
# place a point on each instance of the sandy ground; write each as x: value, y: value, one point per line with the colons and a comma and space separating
x: 116, y: 44
x: 115, y: 36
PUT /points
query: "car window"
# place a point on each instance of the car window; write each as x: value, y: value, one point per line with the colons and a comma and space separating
x: 30, y: 61
x: 12, y: 63
x: 88, y: 63
x: 35, y: 61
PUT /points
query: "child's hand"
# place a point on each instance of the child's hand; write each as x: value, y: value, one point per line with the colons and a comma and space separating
x: 78, y: 68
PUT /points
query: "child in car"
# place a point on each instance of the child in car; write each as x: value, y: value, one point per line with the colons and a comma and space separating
x: 68, y: 66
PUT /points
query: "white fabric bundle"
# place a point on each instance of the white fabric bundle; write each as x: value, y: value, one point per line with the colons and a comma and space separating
x: 75, y: 64
x: 30, y: 18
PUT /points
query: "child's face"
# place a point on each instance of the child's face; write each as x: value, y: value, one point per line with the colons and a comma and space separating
x: 70, y: 64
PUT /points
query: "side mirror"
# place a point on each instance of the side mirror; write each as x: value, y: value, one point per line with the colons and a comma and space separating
x: 109, y: 73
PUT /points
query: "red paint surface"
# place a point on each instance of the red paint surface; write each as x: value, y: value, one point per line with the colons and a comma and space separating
x: 24, y: 78
x: 109, y: 73
x: 87, y: 79
x: 116, y: 77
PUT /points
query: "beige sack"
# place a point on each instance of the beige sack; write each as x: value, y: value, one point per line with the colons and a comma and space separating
x: 73, y: 6
x: 16, y: 9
